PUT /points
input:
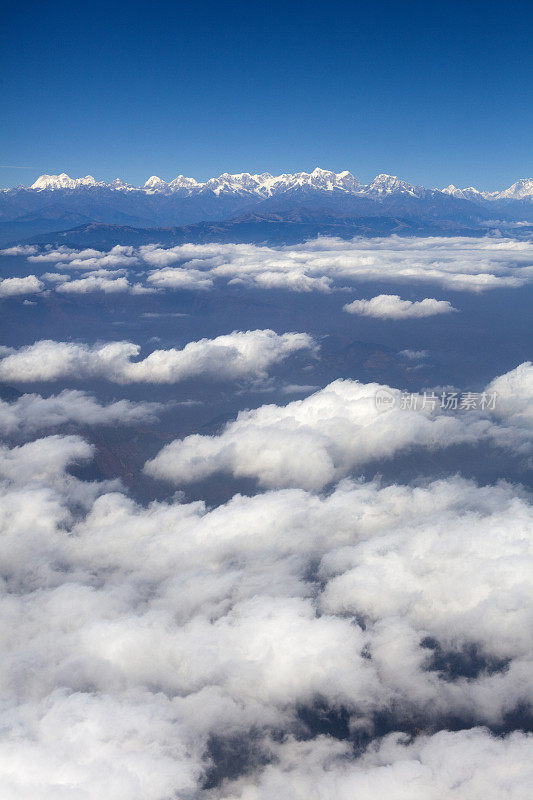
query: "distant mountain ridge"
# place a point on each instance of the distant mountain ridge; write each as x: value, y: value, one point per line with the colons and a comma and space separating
x: 291, y: 228
x: 56, y: 203
x: 266, y: 185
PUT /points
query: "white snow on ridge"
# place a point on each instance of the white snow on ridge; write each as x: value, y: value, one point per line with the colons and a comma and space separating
x: 518, y: 191
x: 63, y: 182
x: 155, y: 184
x: 470, y: 193
x: 265, y: 185
x: 390, y: 184
x: 521, y: 190
x: 262, y: 185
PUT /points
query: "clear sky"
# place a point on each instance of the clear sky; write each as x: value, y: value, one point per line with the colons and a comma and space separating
x: 435, y: 92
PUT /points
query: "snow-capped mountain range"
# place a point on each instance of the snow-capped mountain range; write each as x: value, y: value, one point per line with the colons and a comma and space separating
x: 320, y: 201
x: 266, y: 185
x: 521, y: 190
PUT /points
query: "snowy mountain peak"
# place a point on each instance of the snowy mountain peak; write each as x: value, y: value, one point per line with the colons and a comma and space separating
x: 155, y: 183
x: 387, y: 184
x: 332, y: 180
x: 521, y: 190
x: 242, y: 181
x: 181, y: 182
x: 470, y: 193
x: 62, y: 181
x: 451, y: 189
x: 118, y: 184
x: 317, y: 179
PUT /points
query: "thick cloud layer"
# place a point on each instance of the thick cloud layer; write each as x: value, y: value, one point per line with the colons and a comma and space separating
x: 241, y: 354
x: 140, y: 643
x: 467, y: 765
x: 319, y: 439
x: 391, y: 306
x: 465, y: 264
x: 325, y: 638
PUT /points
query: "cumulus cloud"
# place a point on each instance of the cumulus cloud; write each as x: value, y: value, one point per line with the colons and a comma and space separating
x: 19, y: 250
x: 180, y: 279
x: 108, y: 281
x: 32, y: 412
x: 292, y: 279
x: 466, y: 765
x: 38, y: 471
x: 459, y: 263
x: 10, y: 287
x: 362, y: 641
x: 148, y: 634
x: 515, y: 393
x: 514, y: 408
x: 94, y: 283
x: 391, y: 306
x: 42, y: 460
x: 241, y: 354
x: 88, y: 259
x: 317, y: 440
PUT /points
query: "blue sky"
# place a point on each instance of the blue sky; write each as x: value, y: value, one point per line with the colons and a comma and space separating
x: 433, y: 92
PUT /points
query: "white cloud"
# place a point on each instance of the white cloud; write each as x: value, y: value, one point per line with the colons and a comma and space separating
x: 294, y: 280
x: 179, y: 279
x: 108, y: 281
x: 319, y: 439
x: 241, y: 354
x: 458, y: 263
x: 82, y: 745
x: 42, y: 460
x: 515, y: 394
x: 19, y: 250
x: 88, y: 259
x: 143, y: 632
x: 414, y: 355
x: 298, y: 388
x: 463, y: 765
x: 453, y: 262
x: 94, y: 283
x: 64, y: 254
x: 31, y: 412
x: 391, y: 306
x: 30, y: 284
